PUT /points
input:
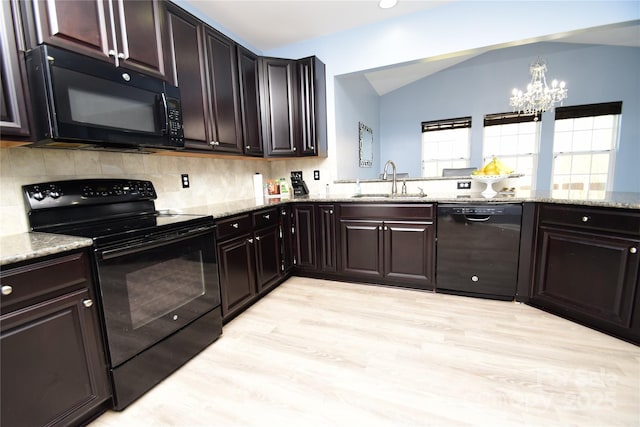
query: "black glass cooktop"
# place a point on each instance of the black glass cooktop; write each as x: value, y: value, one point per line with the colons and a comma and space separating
x: 124, y: 229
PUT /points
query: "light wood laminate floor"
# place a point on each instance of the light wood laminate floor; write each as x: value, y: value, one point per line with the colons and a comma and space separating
x: 323, y: 353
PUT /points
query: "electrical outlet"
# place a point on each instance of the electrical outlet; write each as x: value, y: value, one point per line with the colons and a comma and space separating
x: 185, y: 180
x: 464, y: 185
x: 316, y: 175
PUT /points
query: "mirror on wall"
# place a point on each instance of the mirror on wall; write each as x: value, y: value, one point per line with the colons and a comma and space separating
x: 366, y: 146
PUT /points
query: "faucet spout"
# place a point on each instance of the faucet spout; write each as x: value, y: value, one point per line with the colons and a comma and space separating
x: 394, y: 185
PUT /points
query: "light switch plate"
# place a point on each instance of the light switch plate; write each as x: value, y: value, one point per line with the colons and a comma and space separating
x: 185, y: 180
x: 316, y: 175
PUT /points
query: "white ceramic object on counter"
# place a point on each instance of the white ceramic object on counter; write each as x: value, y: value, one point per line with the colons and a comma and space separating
x: 489, y: 180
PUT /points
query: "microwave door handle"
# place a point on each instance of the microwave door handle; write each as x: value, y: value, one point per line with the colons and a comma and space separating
x: 165, y: 108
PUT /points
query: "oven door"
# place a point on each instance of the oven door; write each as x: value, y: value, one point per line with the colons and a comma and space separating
x: 152, y: 288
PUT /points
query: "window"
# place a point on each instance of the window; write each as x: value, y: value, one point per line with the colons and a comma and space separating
x: 584, y: 144
x: 445, y: 144
x: 513, y: 138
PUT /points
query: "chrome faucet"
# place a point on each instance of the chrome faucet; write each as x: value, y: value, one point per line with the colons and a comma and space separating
x: 394, y: 186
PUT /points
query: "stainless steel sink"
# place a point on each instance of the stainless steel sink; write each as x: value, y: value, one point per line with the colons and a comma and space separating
x: 387, y: 196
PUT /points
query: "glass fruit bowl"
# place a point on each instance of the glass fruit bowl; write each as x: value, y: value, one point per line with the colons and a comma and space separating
x: 488, y: 180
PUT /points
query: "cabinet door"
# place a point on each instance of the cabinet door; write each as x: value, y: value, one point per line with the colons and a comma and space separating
x: 362, y: 248
x: 267, y: 250
x: 224, y: 98
x: 279, y: 105
x: 304, y: 237
x: 312, y: 107
x: 237, y: 275
x: 140, y: 31
x: 286, y: 236
x: 80, y: 26
x: 328, y: 245
x: 250, y: 102
x: 186, y: 38
x: 53, y: 368
x: 13, y: 90
x: 409, y: 253
x: 589, y: 275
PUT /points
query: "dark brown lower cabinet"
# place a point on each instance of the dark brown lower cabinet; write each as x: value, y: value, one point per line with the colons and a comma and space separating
x: 249, y: 258
x: 391, y: 244
x: 237, y: 276
x: 393, y: 252
x: 327, y: 244
x: 589, y: 273
x: 53, y: 367
x: 304, y: 237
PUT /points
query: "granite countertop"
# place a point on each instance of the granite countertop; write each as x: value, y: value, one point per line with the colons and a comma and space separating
x: 21, y: 247
x: 219, y: 210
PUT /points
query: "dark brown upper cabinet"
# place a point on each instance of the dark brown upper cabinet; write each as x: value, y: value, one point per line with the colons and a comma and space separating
x: 224, y: 98
x: 13, y: 90
x: 128, y: 33
x: 312, y: 106
x: 294, y: 114
x: 205, y: 68
x: 279, y: 107
x: 250, y: 102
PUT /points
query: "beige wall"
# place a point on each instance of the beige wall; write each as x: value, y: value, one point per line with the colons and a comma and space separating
x: 212, y: 180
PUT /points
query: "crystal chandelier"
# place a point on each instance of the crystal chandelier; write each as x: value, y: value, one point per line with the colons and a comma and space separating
x: 538, y: 97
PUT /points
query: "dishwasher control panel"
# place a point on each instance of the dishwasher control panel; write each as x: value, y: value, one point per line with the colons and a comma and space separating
x: 478, y: 210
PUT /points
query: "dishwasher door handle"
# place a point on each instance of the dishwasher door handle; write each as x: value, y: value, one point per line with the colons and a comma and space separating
x: 477, y: 218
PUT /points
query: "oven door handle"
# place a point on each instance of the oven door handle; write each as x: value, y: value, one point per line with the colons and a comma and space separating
x: 154, y: 243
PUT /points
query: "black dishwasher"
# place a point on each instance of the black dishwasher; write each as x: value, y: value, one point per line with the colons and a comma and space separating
x: 477, y: 249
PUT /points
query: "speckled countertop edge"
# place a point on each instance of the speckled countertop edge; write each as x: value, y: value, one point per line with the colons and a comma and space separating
x: 21, y: 247
x: 25, y: 246
x: 221, y: 210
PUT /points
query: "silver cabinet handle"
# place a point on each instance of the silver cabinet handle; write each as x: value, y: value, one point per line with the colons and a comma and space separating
x: 267, y: 216
x: 331, y: 212
x: 250, y: 241
x: 121, y: 55
x: 235, y: 225
x: 112, y: 52
x: 214, y: 143
x: 631, y: 250
x: 585, y: 218
x: 386, y: 228
x: 7, y: 290
x: 257, y: 238
x: 380, y: 227
x: 87, y: 303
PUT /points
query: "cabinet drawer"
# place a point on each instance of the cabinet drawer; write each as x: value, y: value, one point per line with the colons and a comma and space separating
x: 615, y: 220
x: 233, y: 226
x: 387, y: 211
x: 33, y: 283
x: 265, y: 218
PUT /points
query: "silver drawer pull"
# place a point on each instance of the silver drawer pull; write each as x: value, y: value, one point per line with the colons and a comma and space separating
x: 585, y: 218
x: 250, y: 241
x: 266, y: 216
x: 631, y: 250
x: 7, y: 290
x: 87, y: 303
x: 258, y: 238
x: 235, y: 225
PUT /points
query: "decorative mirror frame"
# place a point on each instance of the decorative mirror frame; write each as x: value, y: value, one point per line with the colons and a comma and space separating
x: 366, y: 145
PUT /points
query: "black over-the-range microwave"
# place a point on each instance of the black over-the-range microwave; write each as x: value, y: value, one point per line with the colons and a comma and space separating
x: 83, y: 102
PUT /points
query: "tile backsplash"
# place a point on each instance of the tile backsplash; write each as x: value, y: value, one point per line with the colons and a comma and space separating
x: 211, y: 179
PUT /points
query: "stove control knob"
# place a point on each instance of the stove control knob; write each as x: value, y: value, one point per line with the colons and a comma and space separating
x: 54, y: 194
x: 39, y: 195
